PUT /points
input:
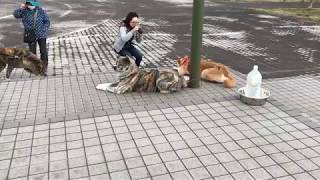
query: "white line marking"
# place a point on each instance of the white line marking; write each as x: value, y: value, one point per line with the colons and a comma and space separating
x: 296, y: 26
x: 6, y: 17
x: 68, y: 12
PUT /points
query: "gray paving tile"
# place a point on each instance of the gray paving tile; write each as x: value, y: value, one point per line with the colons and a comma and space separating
x: 201, y: 151
x: 113, y: 156
x: 294, y: 155
x: 276, y: 171
x: 97, y: 169
x: 309, y: 153
x: 224, y: 157
x: 16, y: 162
x: 307, y: 165
x: 168, y: 156
x: 18, y: 172
x: 233, y: 167
x: 40, y: 158
x: 79, y: 172
x: 162, y: 177
x: 174, y: 166
x: 260, y: 173
x: 95, y: 159
x: 9, y: 146
x: 58, y: 155
x: 58, y: 165
x: 181, y: 175
x: 157, y: 169
x: 185, y: 153
x: 303, y: 176
x: 100, y: 177
x: 242, y: 175
x: 74, y: 144
x: 192, y: 163
x: 199, y: 173
x: 315, y: 174
x: 77, y: 162
x: 265, y: 161
x: 208, y: 160
x: 38, y: 169
x: 39, y: 176
x: 217, y: 170
x: 139, y: 173
x: 292, y: 168
x: 286, y: 178
x: 4, y: 164
x: 58, y: 175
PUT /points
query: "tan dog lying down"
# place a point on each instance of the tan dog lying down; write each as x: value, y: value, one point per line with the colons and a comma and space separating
x: 210, y: 71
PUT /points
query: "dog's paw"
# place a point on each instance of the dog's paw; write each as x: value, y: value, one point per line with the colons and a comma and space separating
x: 187, y: 78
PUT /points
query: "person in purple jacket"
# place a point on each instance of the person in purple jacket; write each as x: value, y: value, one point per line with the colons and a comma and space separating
x: 42, y: 23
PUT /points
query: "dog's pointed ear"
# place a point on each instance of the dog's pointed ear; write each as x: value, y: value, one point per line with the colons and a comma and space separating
x: 178, y: 61
x: 5, y: 51
x: 131, y: 60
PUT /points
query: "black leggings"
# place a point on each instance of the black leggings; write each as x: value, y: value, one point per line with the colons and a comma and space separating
x: 130, y: 50
x: 43, y: 49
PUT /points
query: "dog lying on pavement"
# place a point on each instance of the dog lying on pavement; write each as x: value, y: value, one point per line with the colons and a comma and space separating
x: 20, y: 58
x: 210, y: 71
x: 134, y: 79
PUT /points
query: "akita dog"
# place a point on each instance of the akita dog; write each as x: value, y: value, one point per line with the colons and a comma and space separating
x: 20, y: 58
x: 210, y: 71
x: 134, y: 79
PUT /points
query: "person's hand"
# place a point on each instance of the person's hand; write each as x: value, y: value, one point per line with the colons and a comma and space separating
x: 136, y: 28
x: 23, y: 6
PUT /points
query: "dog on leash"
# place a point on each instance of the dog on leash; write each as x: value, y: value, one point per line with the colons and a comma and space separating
x: 210, y: 71
x: 134, y: 79
x: 20, y: 58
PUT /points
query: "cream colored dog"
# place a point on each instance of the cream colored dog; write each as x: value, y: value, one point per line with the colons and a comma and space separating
x: 210, y: 71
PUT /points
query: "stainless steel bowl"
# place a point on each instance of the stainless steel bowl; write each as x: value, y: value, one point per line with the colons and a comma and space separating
x: 254, y: 101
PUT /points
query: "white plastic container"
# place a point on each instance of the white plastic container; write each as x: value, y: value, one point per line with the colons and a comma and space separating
x: 254, y: 81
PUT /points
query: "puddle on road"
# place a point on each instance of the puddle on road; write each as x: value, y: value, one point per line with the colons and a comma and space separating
x: 283, y: 32
x: 221, y: 18
x: 237, y: 42
x: 264, y: 16
x: 307, y: 54
x: 314, y: 30
x: 154, y: 22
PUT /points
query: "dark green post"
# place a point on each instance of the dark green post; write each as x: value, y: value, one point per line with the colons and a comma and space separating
x: 197, y: 22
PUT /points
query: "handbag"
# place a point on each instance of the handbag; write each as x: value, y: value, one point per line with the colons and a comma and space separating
x: 30, y: 36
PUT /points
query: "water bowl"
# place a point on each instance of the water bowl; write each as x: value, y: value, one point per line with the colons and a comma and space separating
x: 254, y: 101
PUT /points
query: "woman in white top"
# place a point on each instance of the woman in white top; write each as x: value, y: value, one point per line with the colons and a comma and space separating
x: 129, y: 31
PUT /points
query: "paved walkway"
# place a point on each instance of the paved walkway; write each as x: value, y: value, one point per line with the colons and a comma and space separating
x: 61, y: 127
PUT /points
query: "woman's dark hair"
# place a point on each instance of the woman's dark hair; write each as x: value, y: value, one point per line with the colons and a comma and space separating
x: 129, y: 17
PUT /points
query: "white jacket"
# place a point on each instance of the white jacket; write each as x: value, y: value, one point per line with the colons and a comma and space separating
x: 124, y: 36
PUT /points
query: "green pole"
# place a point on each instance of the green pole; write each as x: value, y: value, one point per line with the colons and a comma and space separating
x: 197, y: 22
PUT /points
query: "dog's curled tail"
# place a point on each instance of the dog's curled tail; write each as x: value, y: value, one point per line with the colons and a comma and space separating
x: 230, y: 82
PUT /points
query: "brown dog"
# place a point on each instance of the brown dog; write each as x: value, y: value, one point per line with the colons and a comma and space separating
x: 20, y: 58
x: 210, y: 71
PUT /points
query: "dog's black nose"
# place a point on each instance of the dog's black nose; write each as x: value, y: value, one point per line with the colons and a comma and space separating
x: 114, y: 67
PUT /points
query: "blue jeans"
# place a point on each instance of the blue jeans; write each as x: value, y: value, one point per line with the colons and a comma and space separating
x: 130, y: 50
